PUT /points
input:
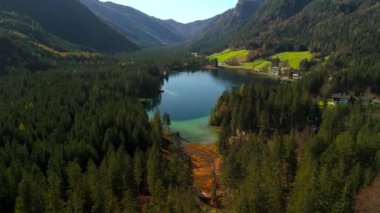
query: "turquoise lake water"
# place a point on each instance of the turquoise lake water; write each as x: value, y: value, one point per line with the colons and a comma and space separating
x: 189, y: 97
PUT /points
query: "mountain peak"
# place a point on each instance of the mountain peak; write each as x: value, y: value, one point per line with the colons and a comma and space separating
x: 245, y: 8
x: 243, y: 1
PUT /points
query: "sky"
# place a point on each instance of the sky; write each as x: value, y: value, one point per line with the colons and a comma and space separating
x: 180, y: 10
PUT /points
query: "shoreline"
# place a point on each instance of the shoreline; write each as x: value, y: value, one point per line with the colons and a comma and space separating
x: 253, y: 72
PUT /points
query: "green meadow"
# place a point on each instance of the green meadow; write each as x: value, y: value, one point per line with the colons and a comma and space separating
x: 241, y: 55
x: 292, y: 58
x: 260, y: 64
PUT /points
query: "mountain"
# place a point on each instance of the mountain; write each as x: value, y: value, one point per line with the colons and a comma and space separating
x: 317, y: 25
x: 190, y: 30
x: 221, y: 27
x: 71, y: 21
x: 139, y: 27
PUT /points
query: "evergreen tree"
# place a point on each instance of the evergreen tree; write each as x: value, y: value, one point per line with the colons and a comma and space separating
x: 138, y: 170
x: 166, y: 120
x: 31, y: 193
x: 55, y: 197
x: 154, y: 169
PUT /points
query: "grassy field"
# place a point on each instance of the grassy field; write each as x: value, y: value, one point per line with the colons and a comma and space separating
x: 294, y: 58
x: 261, y: 64
x: 241, y: 55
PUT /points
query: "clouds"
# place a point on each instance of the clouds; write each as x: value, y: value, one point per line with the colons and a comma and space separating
x: 180, y: 10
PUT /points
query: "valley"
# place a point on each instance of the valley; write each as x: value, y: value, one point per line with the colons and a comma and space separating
x: 270, y: 106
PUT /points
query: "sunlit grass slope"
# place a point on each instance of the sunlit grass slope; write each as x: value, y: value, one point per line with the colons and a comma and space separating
x: 260, y: 64
x: 294, y: 58
x: 241, y: 55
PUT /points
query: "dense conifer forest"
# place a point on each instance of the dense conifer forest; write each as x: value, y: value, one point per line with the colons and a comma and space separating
x: 76, y: 139
x: 284, y: 153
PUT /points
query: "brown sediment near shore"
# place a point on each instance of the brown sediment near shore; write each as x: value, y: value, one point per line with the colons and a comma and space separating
x: 206, y: 169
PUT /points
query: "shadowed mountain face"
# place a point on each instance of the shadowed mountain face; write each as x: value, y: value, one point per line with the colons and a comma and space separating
x: 26, y: 47
x: 134, y: 24
x: 70, y: 20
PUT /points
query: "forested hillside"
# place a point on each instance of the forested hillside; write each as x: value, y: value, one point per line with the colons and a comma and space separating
x: 71, y: 21
x: 27, y: 47
x: 315, y: 24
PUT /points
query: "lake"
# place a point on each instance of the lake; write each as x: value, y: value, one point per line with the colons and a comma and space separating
x: 188, y: 98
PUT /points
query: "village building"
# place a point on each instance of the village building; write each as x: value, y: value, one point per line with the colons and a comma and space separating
x: 296, y: 76
x: 376, y: 101
x: 285, y: 71
x: 276, y: 71
x: 343, y: 99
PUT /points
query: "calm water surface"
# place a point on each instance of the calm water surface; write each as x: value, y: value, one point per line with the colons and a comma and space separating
x: 189, y: 97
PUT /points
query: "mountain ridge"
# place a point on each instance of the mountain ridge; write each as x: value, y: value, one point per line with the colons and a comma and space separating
x: 142, y: 28
x: 192, y: 29
x: 134, y: 24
